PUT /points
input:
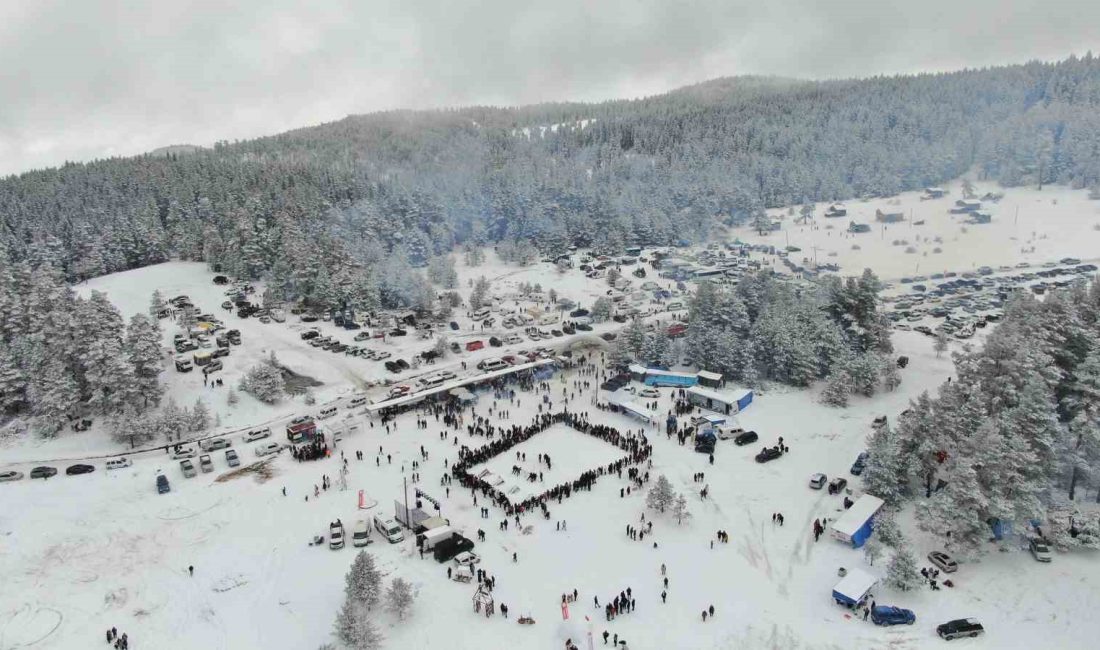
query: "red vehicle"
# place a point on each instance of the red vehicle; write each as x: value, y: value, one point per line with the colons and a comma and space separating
x: 301, y: 429
x: 474, y: 345
x: 509, y: 359
x: 677, y: 330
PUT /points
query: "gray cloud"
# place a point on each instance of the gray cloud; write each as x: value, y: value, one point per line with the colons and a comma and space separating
x: 95, y: 78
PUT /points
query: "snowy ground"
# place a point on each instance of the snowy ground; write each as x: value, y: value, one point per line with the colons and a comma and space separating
x: 582, y: 453
x: 87, y: 552
x: 1028, y: 226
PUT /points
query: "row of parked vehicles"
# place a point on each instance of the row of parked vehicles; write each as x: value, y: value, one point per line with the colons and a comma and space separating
x: 45, y: 471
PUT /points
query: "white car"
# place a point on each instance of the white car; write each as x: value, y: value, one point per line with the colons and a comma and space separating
x: 817, y: 481
x: 267, y: 448
x: 380, y: 356
x: 650, y: 392
x: 466, y: 558
x: 119, y: 463
x: 1039, y: 549
x: 258, y: 434
x: 10, y: 475
x: 184, y: 452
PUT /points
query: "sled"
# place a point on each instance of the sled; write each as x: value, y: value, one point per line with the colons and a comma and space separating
x: 525, y: 620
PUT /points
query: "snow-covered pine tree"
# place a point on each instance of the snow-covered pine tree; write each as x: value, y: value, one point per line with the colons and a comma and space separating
x: 661, y: 495
x: 144, y: 352
x: 13, y: 383
x: 354, y: 629
x: 480, y: 294
x: 198, y: 418
x: 264, y: 382
x: 363, y: 582
x: 885, y: 474
x: 891, y: 376
x: 681, y: 509
x: 54, y: 395
x: 836, y: 389
x: 111, y: 384
x: 400, y: 597
x: 601, y: 310
x: 902, y: 572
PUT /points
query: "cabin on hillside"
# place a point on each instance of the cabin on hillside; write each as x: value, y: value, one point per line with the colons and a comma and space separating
x: 966, y: 206
x: 934, y: 193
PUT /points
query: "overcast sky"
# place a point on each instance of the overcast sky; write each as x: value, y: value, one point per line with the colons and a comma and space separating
x: 81, y: 79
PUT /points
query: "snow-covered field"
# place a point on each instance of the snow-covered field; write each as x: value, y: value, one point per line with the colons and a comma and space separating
x: 1028, y: 226
x: 80, y: 554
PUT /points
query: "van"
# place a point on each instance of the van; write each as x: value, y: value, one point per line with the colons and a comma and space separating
x: 267, y: 448
x: 481, y: 314
x: 512, y: 339
x: 327, y: 412
x: 490, y: 365
x: 360, y: 534
x: 119, y: 463
x: 357, y: 401
x: 389, y: 529
x: 215, y: 444
x: 188, y: 468
x: 673, y: 306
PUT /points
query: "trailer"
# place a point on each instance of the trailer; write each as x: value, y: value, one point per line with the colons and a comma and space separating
x: 429, y: 538
x: 724, y: 403
x: 853, y: 588
x: 857, y: 523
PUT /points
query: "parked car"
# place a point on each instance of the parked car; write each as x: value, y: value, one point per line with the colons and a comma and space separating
x: 183, y: 452
x: 10, y: 475
x: 959, y: 628
x: 768, y: 454
x: 746, y: 438
x: 837, y: 485
x: 231, y: 457
x: 215, y: 444
x: 362, y: 336
x: 943, y: 561
x: 312, y: 334
x: 1039, y: 548
x: 212, y: 367
x: 336, y: 535
x: 188, y: 468
x: 257, y: 434
x: 162, y: 484
x: 184, y: 365
x: 267, y: 448
x: 817, y: 481
x: 885, y: 615
x: 861, y: 462
x: 119, y: 463
x: 205, y: 464
x: 650, y: 392
x: 43, y: 472
x: 466, y: 558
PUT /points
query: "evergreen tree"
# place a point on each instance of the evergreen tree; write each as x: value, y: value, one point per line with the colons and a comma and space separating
x: 836, y: 390
x: 354, y: 629
x: 480, y: 295
x: 661, y: 495
x: 145, y: 356
x: 681, y: 509
x: 199, y: 417
x: 400, y: 596
x: 601, y: 310
x: 363, y: 582
x: 265, y: 382
x: 902, y: 572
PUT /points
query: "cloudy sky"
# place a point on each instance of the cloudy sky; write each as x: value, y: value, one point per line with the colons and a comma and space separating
x: 92, y: 78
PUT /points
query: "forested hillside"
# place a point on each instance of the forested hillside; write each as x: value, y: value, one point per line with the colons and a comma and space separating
x: 651, y: 170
